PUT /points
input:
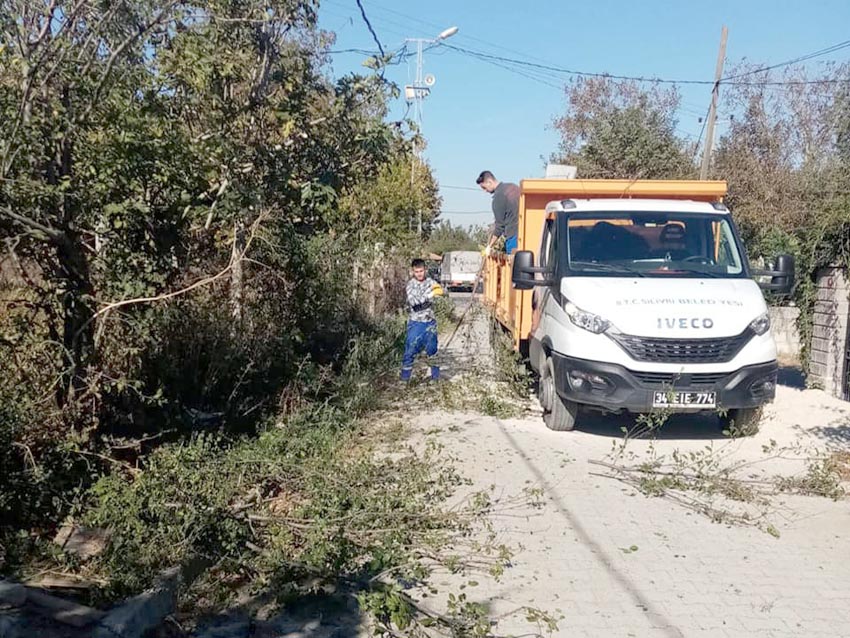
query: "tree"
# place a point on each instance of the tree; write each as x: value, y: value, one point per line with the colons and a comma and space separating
x: 388, y: 207
x: 783, y: 157
x: 782, y: 152
x: 140, y: 141
x: 618, y: 129
x: 445, y: 238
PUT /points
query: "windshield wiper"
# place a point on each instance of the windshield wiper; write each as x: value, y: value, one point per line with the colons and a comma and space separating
x: 608, y: 267
x: 698, y: 272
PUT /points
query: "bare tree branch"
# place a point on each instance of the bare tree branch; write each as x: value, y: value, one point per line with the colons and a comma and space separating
x: 32, y: 225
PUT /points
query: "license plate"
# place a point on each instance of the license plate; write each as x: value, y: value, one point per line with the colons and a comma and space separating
x: 696, y: 400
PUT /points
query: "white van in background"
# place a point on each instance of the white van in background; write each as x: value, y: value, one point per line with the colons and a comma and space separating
x: 459, y: 269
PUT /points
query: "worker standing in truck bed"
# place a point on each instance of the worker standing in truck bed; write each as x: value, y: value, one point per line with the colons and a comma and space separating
x: 505, y: 210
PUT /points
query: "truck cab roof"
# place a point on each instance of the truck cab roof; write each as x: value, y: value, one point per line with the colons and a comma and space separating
x: 636, y: 205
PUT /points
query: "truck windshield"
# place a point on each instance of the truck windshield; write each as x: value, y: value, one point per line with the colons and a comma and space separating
x: 651, y: 244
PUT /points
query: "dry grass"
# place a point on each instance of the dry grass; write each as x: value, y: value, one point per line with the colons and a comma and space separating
x: 840, y: 462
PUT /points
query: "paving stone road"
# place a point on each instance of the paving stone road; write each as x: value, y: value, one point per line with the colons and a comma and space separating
x: 617, y: 563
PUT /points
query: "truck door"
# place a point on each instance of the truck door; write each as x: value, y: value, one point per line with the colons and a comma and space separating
x: 541, y: 294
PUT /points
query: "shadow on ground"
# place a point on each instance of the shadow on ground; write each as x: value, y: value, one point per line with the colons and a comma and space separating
x: 835, y: 434
x: 678, y: 426
x: 331, y: 616
x: 792, y: 377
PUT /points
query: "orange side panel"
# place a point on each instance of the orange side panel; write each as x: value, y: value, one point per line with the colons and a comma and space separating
x: 704, y: 191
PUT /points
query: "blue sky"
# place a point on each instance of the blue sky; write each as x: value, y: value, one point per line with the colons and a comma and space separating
x: 481, y: 116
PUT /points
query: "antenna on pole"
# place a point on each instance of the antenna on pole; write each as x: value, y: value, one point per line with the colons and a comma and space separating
x: 416, y: 93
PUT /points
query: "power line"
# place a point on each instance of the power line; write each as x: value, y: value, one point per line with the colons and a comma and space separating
x: 546, y: 67
x: 371, y: 30
x: 545, y: 70
x: 802, y: 58
x: 460, y: 188
x: 551, y: 68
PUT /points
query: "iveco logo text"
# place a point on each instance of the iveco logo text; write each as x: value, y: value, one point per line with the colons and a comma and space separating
x: 686, y: 323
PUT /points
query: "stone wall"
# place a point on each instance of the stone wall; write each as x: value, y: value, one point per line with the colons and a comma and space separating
x: 829, y: 332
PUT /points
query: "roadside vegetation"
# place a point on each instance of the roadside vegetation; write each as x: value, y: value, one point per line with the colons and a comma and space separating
x: 715, y: 482
x: 205, y: 243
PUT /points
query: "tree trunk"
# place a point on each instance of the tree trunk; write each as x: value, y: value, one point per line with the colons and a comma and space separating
x: 78, y: 313
x: 237, y: 273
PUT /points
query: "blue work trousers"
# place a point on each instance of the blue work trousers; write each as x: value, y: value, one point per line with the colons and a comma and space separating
x: 421, y: 335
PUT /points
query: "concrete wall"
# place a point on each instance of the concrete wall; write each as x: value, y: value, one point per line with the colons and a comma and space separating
x: 829, y: 333
x: 783, y: 325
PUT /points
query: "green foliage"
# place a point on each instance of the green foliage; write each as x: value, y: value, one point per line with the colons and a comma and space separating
x: 389, y: 206
x: 192, y: 497
x: 787, y: 172
x: 618, y: 129
x: 143, y: 148
x: 446, y: 238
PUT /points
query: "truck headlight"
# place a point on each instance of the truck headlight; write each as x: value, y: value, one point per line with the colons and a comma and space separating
x: 760, y: 324
x: 586, y: 320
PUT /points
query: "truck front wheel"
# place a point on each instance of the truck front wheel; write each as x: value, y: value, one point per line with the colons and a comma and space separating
x: 558, y: 414
x: 742, y: 421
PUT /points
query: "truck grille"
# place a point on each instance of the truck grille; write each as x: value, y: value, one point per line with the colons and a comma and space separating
x: 705, y: 379
x: 654, y: 350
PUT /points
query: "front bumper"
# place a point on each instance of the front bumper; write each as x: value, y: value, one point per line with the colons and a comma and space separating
x: 615, y: 388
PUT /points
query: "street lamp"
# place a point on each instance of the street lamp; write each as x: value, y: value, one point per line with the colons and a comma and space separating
x: 421, y: 86
x: 416, y: 92
x: 447, y: 33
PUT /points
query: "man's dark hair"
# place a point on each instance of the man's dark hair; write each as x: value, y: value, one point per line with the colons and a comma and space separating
x: 417, y: 263
x: 484, y: 175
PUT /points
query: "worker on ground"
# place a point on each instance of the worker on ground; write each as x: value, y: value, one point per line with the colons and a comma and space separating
x: 505, y: 210
x: 422, y: 323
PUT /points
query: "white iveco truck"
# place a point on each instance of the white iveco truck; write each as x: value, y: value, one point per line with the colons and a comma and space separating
x: 642, y: 302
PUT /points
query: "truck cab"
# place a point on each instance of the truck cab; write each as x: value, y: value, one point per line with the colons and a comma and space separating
x: 644, y: 304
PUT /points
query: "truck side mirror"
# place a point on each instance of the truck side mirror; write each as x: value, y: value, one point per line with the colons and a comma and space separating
x: 523, y: 272
x: 781, y: 278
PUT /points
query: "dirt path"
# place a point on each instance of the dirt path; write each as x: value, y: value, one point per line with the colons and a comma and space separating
x: 617, y: 563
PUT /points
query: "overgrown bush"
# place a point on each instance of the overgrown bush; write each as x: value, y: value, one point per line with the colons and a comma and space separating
x: 182, y: 367
x: 297, y: 491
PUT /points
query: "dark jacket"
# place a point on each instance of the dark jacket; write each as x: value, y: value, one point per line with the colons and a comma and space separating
x: 506, y: 209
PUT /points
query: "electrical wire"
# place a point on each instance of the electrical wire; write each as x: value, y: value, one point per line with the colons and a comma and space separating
x: 546, y: 67
x: 550, y: 75
x: 371, y: 30
x: 802, y: 58
x: 499, y: 58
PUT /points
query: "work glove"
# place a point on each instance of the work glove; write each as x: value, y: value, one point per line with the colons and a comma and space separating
x: 487, y: 250
x: 436, y: 290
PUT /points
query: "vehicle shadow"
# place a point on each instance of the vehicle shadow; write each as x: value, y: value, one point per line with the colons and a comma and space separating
x: 306, y: 616
x: 792, y: 377
x: 678, y: 426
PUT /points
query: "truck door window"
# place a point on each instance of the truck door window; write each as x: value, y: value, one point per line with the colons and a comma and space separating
x: 547, y: 245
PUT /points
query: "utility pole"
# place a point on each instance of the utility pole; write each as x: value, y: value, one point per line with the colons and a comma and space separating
x: 417, y: 113
x: 712, y: 111
x: 415, y: 94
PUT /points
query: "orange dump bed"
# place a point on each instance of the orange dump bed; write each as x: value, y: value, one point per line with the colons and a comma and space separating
x: 512, y: 308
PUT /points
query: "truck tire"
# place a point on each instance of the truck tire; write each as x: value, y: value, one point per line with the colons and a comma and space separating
x: 742, y: 421
x: 559, y: 415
